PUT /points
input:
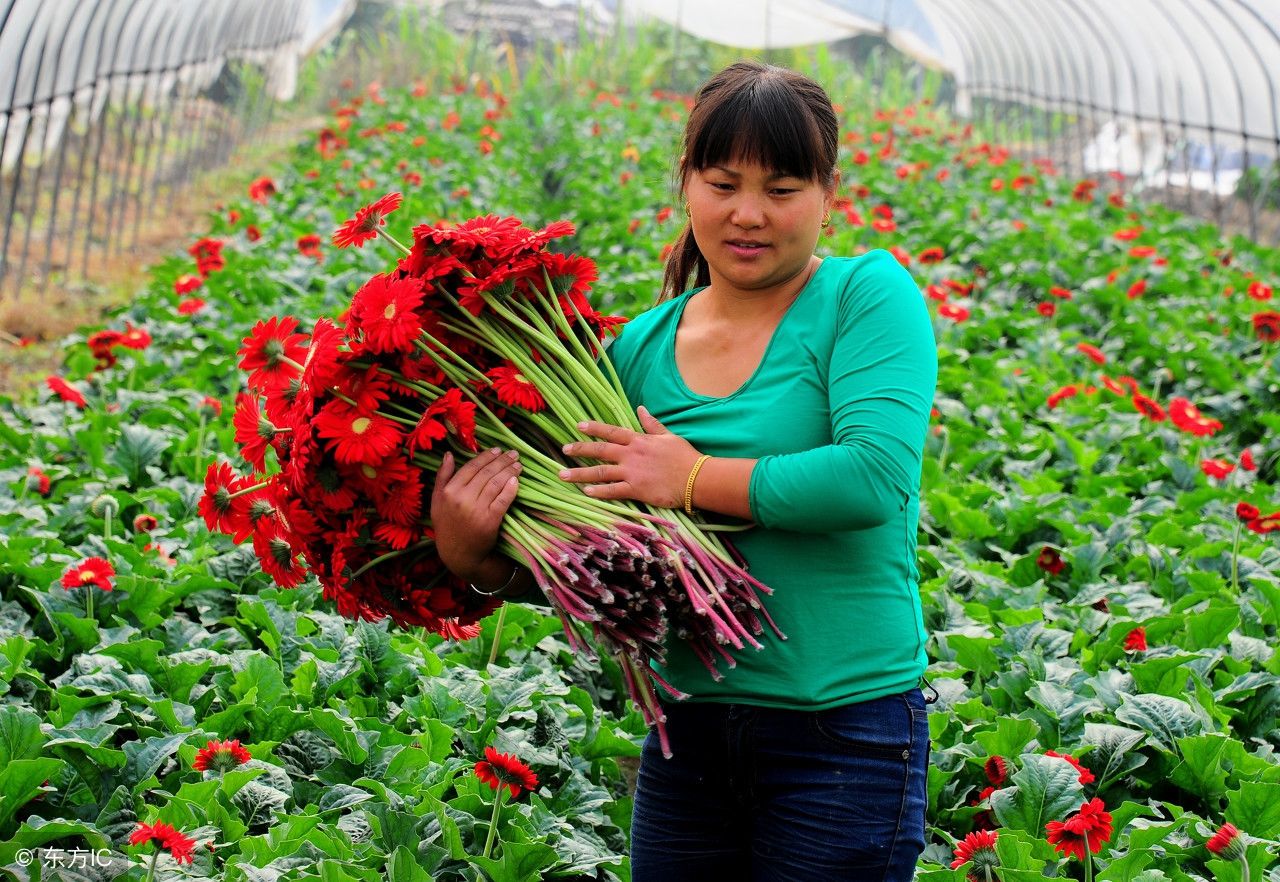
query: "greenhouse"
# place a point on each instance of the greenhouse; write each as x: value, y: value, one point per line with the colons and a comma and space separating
x: 641, y: 440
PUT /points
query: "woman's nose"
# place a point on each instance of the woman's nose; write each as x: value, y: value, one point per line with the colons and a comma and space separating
x: 747, y: 213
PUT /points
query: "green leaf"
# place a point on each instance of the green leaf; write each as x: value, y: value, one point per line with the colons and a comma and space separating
x: 1255, y: 808
x: 144, y: 758
x: 1045, y: 789
x: 1010, y: 738
x: 138, y: 448
x: 20, y: 735
x: 20, y: 781
x: 976, y: 654
x: 518, y: 862
x: 1164, y: 718
x: 1201, y: 772
x: 403, y: 866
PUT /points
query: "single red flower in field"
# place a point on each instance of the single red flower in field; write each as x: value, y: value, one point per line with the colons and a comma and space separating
x: 386, y: 310
x: 1065, y: 392
x: 1148, y: 407
x: 1142, y: 251
x: 65, y: 391
x: 1061, y: 293
x: 221, y: 756
x: 996, y: 770
x: 101, y: 344
x: 980, y: 848
x: 164, y: 836
x: 190, y: 306
x: 1086, y: 776
x: 500, y: 770
x: 884, y: 225
x: 1246, y: 460
x: 1083, y: 832
x: 1228, y: 842
x: 91, y: 571
x: 309, y: 246
x: 1137, y: 289
x: 186, y: 284
x: 210, y: 407
x: 1050, y: 561
x: 933, y: 254
x: 1267, y: 326
x: 1246, y: 511
x: 262, y: 189
x: 1187, y: 417
x: 953, y: 312
x: 356, y: 437
x: 1092, y: 352
x: 205, y: 248
x: 252, y: 233
x: 1046, y: 309
x: 1258, y: 291
x: 1265, y: 523
x: 1217, y: 468
x: 1128, y: 234
x: 1135, y: 641
x: 135, y: 338
x: 363, y: 226
x: 272, y: 353
x: 38, y: 481
x: 514, y: 389
x: 279, y: 555
x: 145, y: 523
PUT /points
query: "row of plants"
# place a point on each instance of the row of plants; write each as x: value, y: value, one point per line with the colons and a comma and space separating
x: 1097, y: 555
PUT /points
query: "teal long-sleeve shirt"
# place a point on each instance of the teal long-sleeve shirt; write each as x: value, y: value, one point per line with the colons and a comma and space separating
x: 836, y: 415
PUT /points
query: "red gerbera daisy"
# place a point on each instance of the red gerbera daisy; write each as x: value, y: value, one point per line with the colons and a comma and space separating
x: 279, y: 555
x: 164, y: 836
x: 450, y: 628
x: 996, y: 769
x: 515, y: 389
x: 500, y: 770
x: 1217, y: 468
x: 1265, y: 523
x: 1267, y: 326
x: 261, y: 189
x: 135, y: 338
x: 222, y: 511
x: 1049, y: 561
x: 364, y: 225
x: 1246, y: 511
x: 386, y: 310
x: 933, y: 254
x: 1092, y: 352
x: 1135, y: 641
x: 354, y: 436
x: 1083, y: 832
x: 980, y: 848
x: 253, y: 431
x: 426, y: 433
x: 186, y: 284
x: 1148, y: 407
x: 1187, y: 417
x: 38, y: 481
x: 1228, y: 842
x: 91, y: 571
x: 1065, y: 392
x: 272, y: 353
x: 221, y: 756
x: 953, y: 312
x: 190, y: 306
x: 65, y: 391
x: 1246, y: 460
x: 1086, y: 776
x: 459, y: 416
x: 309, y: 246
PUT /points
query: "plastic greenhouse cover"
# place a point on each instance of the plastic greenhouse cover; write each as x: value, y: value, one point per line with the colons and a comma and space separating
x: 1203, y: 66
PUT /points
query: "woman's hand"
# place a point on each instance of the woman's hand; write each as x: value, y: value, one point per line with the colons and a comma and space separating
x: 467, y: 507
x: 652, y: 467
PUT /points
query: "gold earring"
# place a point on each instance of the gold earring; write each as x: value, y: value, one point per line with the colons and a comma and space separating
x: 826, y: 219
x: 686, y: 210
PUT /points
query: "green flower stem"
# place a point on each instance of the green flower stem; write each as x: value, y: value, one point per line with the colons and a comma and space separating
x: 398, y: 245
x: 424, y: 544
x: 1235, y: 558
x: 493, y: 822
x: 249, y: 489
x: 88, y: 602
x: 986, y: 871
x: 1244, y: 867
x: 284, y: 359
x: 1088, y: 861
x: 497, y: 633
x: 151, y: 870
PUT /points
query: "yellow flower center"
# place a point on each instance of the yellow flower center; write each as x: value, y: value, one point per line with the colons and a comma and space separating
x: 360, y: 425
x: 521, y: 378
x: 390, y: 311
x: 369, y: 471
x: 86, y: 577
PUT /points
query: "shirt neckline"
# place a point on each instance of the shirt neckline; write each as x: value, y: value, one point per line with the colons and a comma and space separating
x: 674, y: 367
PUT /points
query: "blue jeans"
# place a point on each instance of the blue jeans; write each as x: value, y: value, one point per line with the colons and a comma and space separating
x: 757, y: 794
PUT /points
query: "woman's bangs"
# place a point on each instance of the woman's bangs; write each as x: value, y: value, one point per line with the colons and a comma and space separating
x: 764, y: 126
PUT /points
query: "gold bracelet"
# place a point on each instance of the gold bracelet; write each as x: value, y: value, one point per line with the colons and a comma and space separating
x: 688, y: 487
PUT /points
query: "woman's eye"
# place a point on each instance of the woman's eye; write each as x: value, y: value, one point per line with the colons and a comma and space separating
x: 782, y: 191
x: 721, y: 186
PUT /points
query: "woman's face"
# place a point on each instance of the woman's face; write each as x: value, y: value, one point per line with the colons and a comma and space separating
x: 756, y: 227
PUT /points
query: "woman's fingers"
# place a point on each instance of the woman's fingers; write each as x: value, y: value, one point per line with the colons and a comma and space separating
x: 489, y: 490
x: 594, y: 450
x: 616, y: 434
x: 505, y: 497
x: 596, y: 474
x: 447, y: 468
x: 483, y: 467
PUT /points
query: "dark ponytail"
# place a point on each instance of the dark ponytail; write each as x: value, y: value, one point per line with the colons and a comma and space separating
x: 757, y: 113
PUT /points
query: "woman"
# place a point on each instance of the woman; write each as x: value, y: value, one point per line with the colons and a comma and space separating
x: 794, y: 392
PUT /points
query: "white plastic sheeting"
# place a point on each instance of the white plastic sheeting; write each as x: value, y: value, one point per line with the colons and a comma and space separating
x: 62, y: 59
x: 1202, y: 67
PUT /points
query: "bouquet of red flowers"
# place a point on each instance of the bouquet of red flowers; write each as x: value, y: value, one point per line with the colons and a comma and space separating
x: 479, y: 336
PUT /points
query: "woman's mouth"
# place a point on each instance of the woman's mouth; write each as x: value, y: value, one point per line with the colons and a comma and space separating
x: 746, y: 247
